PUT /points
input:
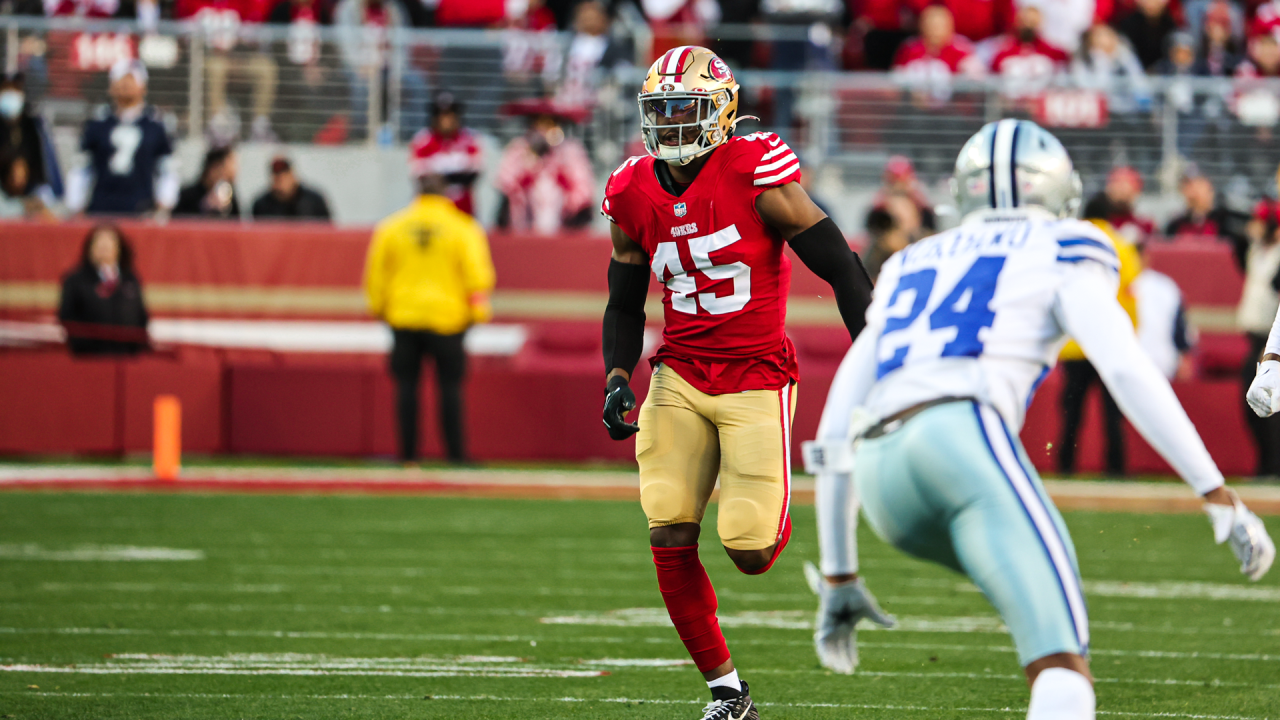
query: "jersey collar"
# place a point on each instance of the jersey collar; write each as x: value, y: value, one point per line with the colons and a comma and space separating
x: 1024, y: 214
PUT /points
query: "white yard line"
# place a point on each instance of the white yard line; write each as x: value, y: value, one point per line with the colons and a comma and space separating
x: 617, y: 700
x: 97, y: 553
x: 307, y: 665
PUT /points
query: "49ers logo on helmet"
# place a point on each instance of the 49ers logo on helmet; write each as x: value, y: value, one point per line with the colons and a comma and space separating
x: 719, y: 70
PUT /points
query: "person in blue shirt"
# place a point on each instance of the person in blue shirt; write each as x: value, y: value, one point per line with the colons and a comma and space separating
x: 129, y: 153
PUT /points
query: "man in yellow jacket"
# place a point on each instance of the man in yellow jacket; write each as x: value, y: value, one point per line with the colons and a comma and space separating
x: 1079, y: 374
x: 429, y: 275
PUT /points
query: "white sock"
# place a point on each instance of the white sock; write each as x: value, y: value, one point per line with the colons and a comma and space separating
x: 729, y: 681
x: 1061, y: 694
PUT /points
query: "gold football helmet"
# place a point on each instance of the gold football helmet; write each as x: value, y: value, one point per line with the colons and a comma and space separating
x: 688, y: 91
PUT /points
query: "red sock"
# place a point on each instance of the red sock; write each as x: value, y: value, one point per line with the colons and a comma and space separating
x: 691, y: 603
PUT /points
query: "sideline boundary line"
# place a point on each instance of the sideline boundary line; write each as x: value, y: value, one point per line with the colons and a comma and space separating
x: 615, y: 700
x: 1115, y: 496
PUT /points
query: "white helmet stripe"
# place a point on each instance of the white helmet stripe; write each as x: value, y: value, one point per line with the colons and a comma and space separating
x: 675, y: 58
x: 1002, y: 168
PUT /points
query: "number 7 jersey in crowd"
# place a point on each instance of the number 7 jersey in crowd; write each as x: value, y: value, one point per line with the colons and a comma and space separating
x: 725, y: 274
x: 971, y: 312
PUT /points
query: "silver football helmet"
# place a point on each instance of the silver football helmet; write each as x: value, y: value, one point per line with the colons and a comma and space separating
x: 1015, y: 164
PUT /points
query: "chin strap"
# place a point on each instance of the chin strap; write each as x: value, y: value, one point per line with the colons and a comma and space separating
x: 734, y: 125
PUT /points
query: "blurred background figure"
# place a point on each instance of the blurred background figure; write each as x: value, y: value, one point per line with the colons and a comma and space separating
x: 1105, y: 64
x: 449, y: 149
x: 230, y: 55
x: 885, y: 237
x: 213, y: 194
x: 288, y: 198
x: 1024, y: 61
x: 1064, y: 22
x: 1258, y: 303
x: 364, y: 29
x: 899, y: 181
x: 593, y: 50
x: 1079, y: 374
x: 1147, y: 28
x: 429, y: 276
x: 1205, y: 216
x: 29, y: 168
x: 927, y: 63
x: 1122, y: 190
x: 545, y: 176
x: 101, y: 307
x: 130, y: 166
x: 1220, y: 49
x: 1163, y: 331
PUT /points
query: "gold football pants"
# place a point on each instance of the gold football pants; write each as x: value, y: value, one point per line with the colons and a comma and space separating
x: 687, y: 438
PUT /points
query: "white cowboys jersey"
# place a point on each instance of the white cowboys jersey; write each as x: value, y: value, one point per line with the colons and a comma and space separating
x: 971, y: 312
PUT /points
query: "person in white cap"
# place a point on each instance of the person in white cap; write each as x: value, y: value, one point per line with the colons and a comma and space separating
x: 128, y: 168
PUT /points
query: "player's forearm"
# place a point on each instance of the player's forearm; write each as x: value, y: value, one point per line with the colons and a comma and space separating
x: 1273, y: 341
x: 835, y: 497
x: 624, y: 317
x: 837, y: 505
x: 1103, y: 331
x: 823, y: 250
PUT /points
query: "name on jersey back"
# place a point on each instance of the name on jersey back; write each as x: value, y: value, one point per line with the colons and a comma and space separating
x: 965, y: 241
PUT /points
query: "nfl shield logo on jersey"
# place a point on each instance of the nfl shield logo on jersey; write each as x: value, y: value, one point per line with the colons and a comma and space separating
x: 681, y: 210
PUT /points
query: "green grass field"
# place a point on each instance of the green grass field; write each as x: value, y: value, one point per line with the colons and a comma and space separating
x: 424, y: 607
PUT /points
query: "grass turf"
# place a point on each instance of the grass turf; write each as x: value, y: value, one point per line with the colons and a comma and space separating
x: 362, y: 607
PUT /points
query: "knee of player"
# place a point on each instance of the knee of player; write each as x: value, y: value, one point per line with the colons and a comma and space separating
x: 674, y: 536
x: 751, y: 562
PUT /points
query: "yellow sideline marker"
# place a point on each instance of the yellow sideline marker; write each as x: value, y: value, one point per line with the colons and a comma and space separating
x: 166, y: 457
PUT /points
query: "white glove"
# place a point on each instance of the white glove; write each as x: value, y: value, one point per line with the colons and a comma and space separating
x: 840, y: 607
x: 1249, y: 539
x: 1264, y: 392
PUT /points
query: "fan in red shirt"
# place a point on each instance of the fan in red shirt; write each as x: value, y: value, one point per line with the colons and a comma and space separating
x: 1026, y: 63
x: 975, y: 19
x: 1266, y: 20
x: 1124, y: 186
x: 449, y: 150
x: 709, y: 214
x: 926, y: 63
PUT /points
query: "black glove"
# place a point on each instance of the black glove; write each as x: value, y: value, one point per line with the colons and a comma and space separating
x: 618, y: 401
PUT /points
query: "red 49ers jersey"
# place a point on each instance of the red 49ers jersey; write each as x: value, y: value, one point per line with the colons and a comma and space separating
x: 726, y: 277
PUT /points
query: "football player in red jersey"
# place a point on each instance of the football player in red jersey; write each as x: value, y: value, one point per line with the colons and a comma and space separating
x: 709, y: 214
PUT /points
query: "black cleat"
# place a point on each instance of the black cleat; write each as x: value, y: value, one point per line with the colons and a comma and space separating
x: 731, y: 707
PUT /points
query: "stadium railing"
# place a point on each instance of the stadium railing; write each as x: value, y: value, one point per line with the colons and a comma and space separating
x: 326, y: 91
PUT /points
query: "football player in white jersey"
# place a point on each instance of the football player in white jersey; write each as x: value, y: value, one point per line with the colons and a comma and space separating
x: 1264, y: 392
x: 925, y: 410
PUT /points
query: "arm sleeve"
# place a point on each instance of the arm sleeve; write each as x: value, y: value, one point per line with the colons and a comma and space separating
x: 836, y: 500
x: 168, y: 184
x: 624, y: 316
x: 1087, y: 310
x: 479, y: 274
x: 823, y: 250
x: 1182, y: 332
x: 375, y: 273
x: 78, y: 183
x: 1273, y: 338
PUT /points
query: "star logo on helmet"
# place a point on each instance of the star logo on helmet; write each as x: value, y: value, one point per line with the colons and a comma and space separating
x: 681, y: 209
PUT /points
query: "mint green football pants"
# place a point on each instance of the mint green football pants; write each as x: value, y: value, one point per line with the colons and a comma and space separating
x: 954, y: 486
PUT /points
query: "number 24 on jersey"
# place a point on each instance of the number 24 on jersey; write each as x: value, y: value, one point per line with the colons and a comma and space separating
x: 967, y: 308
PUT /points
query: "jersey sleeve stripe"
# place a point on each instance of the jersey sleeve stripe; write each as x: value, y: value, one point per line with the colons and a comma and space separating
x: 774, y: 178
x: 775, y: 152
x: 1087, y: 242
x: 1076, y: 259
x: 776, y: 165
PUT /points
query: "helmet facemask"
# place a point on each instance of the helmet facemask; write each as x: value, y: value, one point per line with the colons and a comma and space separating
x: 682, y: 113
